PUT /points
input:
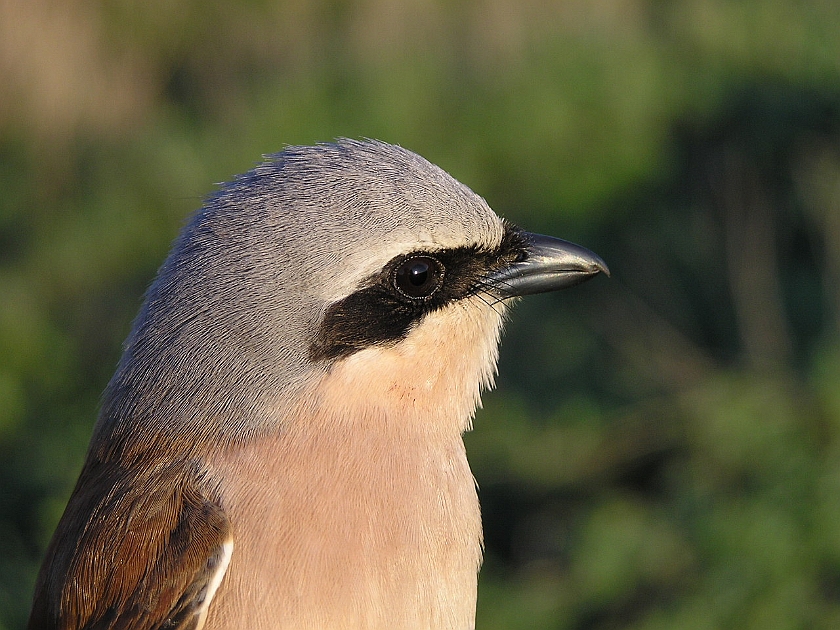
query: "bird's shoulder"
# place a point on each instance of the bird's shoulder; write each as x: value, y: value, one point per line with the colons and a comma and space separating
x: 140, y: 548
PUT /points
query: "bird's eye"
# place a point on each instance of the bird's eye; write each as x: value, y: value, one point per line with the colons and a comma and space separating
x: 418, y: 277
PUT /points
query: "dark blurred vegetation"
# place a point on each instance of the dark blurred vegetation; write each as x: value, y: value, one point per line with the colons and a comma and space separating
x: 663, y: 450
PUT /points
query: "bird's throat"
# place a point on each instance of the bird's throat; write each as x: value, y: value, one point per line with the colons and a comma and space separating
x: 368, y: 513
x: 431, y: 381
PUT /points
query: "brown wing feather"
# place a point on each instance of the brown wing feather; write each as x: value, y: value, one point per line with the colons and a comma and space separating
x: 136, y: 549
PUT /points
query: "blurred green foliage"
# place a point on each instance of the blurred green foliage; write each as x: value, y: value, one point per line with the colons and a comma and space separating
x: 663, y: 450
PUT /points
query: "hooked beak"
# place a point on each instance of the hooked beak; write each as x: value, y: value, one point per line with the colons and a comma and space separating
x: 550, y: 264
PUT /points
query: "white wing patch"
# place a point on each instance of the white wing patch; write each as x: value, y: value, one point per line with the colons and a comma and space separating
x: 225, y: 552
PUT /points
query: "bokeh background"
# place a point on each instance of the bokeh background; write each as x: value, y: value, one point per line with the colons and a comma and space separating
x: 663, y: 449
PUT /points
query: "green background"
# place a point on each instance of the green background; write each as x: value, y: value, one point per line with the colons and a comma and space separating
x: 663, y: 449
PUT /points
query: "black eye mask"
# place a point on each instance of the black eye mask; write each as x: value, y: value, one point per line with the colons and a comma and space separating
x: 410, y: 286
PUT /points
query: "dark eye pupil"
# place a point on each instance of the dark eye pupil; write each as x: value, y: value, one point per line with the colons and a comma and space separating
x: 418, y: 274
x: 418, y: 277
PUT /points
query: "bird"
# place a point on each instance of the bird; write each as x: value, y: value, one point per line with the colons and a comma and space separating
x: 281, y: 445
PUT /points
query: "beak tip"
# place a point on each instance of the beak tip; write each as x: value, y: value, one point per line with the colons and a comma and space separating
x: 601, y: 266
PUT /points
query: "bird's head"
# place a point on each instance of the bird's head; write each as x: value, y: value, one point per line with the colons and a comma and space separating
x: 349, y: 274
